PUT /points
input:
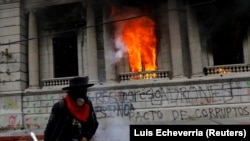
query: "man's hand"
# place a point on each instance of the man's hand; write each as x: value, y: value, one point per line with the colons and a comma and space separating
x: 84, y: 139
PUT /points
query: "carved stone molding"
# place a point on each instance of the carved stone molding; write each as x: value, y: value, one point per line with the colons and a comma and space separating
x: 32, y: 4
x: 8, y: 1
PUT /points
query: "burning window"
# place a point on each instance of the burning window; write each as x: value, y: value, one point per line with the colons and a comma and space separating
x: 135, y: 37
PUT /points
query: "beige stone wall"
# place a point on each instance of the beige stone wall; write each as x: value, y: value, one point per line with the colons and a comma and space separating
x: 13, y: 60
x: 119, y: 106
x: 145, y: 103
x: 11, y: 116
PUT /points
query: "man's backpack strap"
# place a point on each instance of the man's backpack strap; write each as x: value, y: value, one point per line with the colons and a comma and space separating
x: 61, y: 104
x: 62, y: 109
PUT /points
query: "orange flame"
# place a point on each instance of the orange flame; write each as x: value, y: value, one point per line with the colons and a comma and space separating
x: 138, y: 36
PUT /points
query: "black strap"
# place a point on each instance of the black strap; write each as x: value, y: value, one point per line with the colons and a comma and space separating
x: 62, y: 113
x: 61, y: 104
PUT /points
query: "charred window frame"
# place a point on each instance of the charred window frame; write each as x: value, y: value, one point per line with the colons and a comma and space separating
x: 64, y: 22
x: 65, y: 55
x: 228, y: 44
x: 225, y: 24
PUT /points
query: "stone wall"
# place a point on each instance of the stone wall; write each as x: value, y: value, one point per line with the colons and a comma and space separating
x: 13, y: 55
x: 119, y: 106
x: 11, y: 112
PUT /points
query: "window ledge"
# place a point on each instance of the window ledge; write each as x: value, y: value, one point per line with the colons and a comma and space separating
x: 226, y: 69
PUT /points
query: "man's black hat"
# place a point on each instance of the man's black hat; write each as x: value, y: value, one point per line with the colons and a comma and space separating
x: 78, y: 82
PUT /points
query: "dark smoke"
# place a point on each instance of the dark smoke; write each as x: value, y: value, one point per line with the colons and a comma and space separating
x: 223, y: 14
x: 226, y: 25
x: 65, y: 16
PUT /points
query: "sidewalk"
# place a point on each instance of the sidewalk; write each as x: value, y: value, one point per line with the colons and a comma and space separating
x: 24, y: 135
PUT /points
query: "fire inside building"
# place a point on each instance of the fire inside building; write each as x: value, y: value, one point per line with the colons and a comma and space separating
x: 150, y: 61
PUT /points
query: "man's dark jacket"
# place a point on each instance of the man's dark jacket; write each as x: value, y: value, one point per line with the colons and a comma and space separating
x: 59, y: 127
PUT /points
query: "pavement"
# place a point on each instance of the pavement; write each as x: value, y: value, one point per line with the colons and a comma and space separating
x: 227, y: 121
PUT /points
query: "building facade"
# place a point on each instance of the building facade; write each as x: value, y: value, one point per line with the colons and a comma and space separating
x: 200, y: 63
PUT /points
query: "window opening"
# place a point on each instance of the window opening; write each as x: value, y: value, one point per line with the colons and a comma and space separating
x: 65, y: 55
x: 228, y: 48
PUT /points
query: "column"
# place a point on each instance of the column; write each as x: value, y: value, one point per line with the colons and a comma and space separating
x: 108, y: 50
x: 33, y: 61
x: 91, y: 45
x: 194, y: 44
x: 164, y: 51
x: 175, y: 40
x: 246, y: 48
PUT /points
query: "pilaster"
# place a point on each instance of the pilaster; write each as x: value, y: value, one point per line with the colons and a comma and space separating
x: 91, y: 44
x: 33, y: 56
x: 175, y: 40
x: 194, y: 44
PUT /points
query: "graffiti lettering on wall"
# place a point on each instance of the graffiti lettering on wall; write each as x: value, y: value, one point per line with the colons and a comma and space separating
x: 191, y: 95
x: 9, y: 103
x: 155, y: 103
x: 36, y: 121
x: 10, y: 121
x: 151, y: 115
x: 211, y: 113
x: 114, y: 110
x: 127, y: 102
